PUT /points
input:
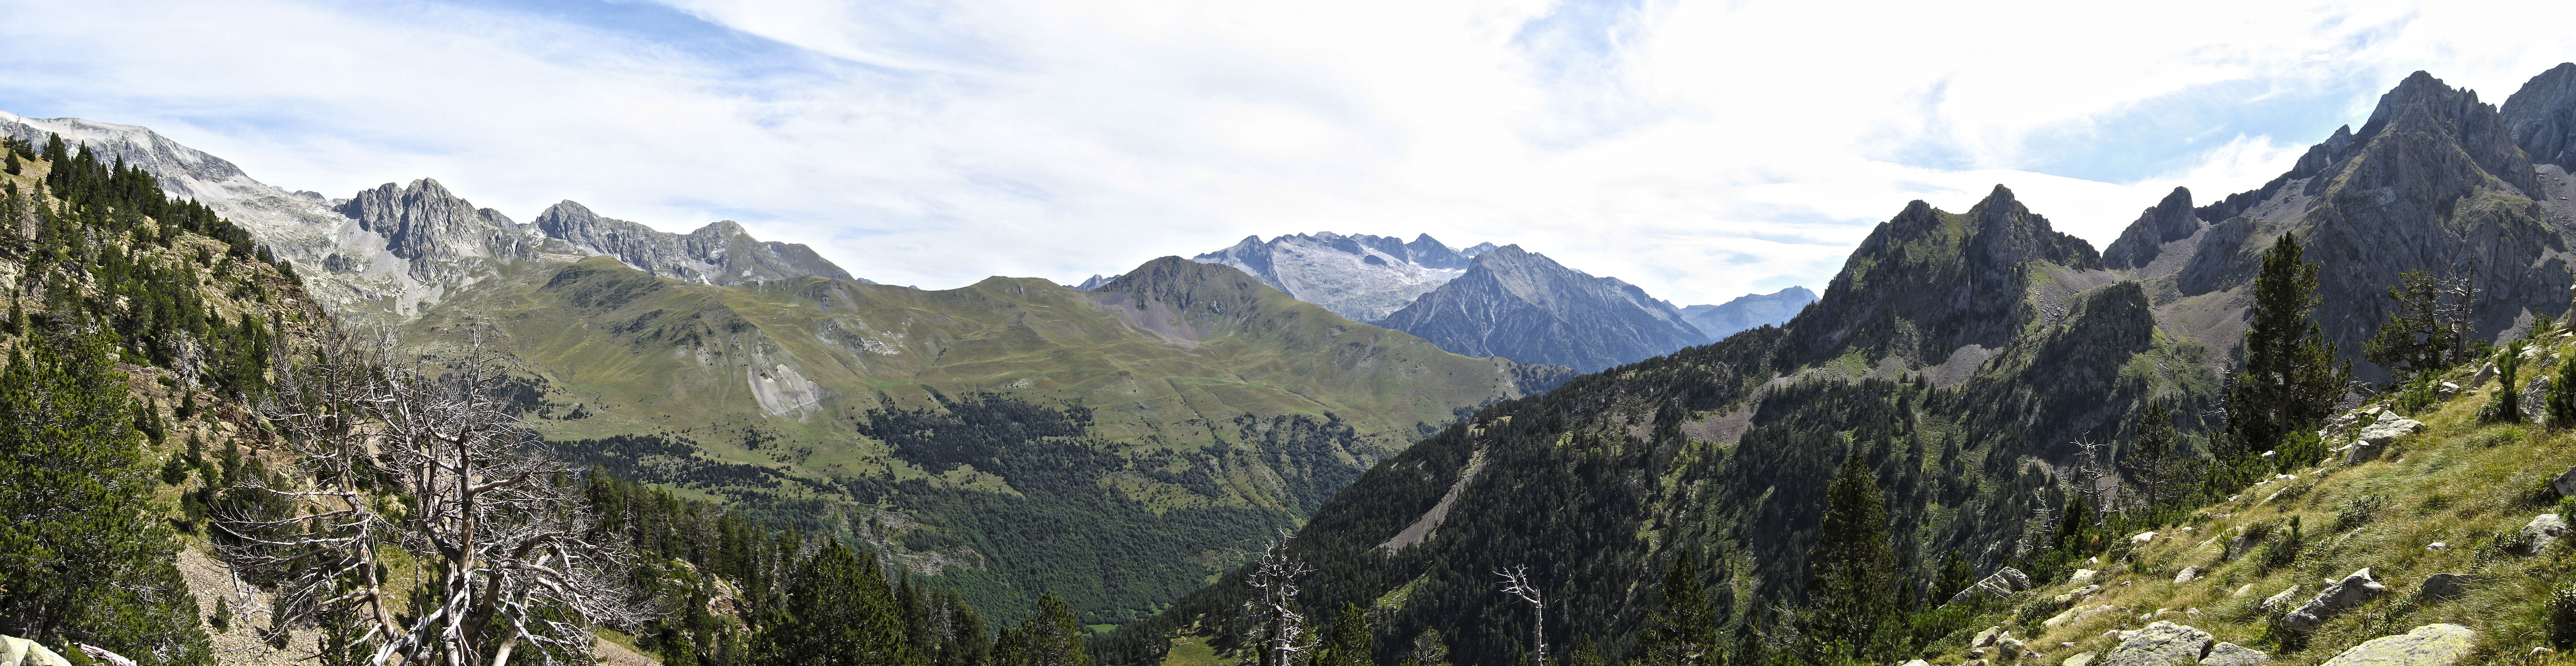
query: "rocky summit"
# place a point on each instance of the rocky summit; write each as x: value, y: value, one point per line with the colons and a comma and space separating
x: 393, y: 249
x: 1362, y: 277
x: 1526, y: 307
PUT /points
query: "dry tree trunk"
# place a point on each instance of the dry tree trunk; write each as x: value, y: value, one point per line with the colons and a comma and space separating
x: 421, y: 457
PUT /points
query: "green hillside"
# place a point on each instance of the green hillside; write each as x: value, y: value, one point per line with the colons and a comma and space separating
x: 2462, y: 497
x: 1117, y: 447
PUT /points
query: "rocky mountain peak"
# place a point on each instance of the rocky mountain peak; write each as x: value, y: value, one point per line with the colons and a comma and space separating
x: 2169, y: 220
x: 423, y: 221
x: 2423, y: 114
x: 1358, y: 276
x: 1929, y: 283
x: 2542, y: 117
x: 1524, y: 306
x: 722, y: 253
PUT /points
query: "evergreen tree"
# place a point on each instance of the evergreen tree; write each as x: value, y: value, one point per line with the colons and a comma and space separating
x: 2417, y: 339
x: 2561, y: 403
x: 2291, y: 379
x: 2153, y: 453
x: 1429, y: 649
x: 1851, y: 584
x: 2505, y: 405
x: 1684, y: 631
x: 1352, y: 644
x: 83, y: 553
x: 838, y: 612
x: 1054, y: 634
x: 1955, y: 576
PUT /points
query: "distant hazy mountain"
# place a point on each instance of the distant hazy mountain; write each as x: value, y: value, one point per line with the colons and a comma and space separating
x: 1525, y: 307
x: 390, y: 250
x: 1362, y: 277
x: 1748, y: 311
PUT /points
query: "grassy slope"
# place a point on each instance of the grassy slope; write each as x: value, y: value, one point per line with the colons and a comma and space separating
x: 643, y: 355
x: 2460, y: 483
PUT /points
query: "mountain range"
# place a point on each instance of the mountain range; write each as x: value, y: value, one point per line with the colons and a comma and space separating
x: 1490, y: 301
x: 394, y: 249
x: 1961, y: 356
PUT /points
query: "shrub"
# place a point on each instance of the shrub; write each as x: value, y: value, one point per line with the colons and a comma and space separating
x: 2359, y: 511
x: 2562, y: 617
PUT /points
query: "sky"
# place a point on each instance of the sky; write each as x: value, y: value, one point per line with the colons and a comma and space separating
x: 1702, y: 150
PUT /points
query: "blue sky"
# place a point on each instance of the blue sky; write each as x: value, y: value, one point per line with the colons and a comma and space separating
x: 1700, y: 150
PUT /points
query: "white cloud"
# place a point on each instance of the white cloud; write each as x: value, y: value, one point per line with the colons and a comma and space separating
x: 1701, y: 150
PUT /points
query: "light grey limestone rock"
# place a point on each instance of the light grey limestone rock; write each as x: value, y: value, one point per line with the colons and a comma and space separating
x: 2231, y: 654
x: 2428, y: 645
x: 2160, y: 644
x: 2352, y: 591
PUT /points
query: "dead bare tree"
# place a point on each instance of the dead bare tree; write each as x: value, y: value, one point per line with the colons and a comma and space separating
x: 1516, y: 582
x: 1277, y: 627
x: 2093, y: 466
x: 420, y: 458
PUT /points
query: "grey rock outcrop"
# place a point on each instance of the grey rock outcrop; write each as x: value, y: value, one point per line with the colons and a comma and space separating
x: 15, y: 651
x: 2231, y: 654
x: 1748, y: 311
x: 431, y: 226
x: 2443, y: 587
x: 2565, y: 483
x: 721, y: 253
x: 2170, y: 220
x: 2352, y: 591
x: 1998, y: 585
x: 2543, y: 533
x: 2428, y: 645
x: 1096, y: 282
x: 1526, y: 307
x: 2159, y: 644
x: 2542, y: 117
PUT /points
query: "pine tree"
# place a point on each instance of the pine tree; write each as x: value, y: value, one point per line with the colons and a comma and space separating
x: 1352, y: 644
x: 1055, y: 635
x: 2152, y: 452
x: 2417, y: 339
x: 1851, y: 585
x: 2291, y: 379
x: 1955, y: 576
x: 1429, y: 649
x: 2505, y: 405
x: 2561, y: 403
x: 83, y: 554
x: 1684, y: 631
x: 838, y: 612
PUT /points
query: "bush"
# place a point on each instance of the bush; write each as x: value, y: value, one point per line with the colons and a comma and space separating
x: 2562, y: 617
x: 2359, y: 511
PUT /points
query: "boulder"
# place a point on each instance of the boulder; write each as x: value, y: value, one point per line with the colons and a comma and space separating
x: 2565, y: 483
x: 2160, y: 644
x: 1918, y: 662
x: 2359, y: 452
x: 2428, y: 645
x: 2008, y: 649
x: 2002, y: 584
x: 2543, y: 531
x: 2081, y: 576
x: 2389, y: 428
x: 15, y: 651
x: 2075, y: 615
x: 2485, y: 372
x: 2231, y: 654
x: 2443, y: 587
x: 2447, y: 390
x: 2188, y: 574
x: 2242, y: 591
x: 1987, y: 637
x: 2080, y: 659
x: 2141, y: 538
x: 2352, y: 591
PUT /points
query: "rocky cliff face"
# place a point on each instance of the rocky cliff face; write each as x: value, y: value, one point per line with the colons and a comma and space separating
x: 1748, y: 311
x: 2170, y: 220
x: 394, y: 249
x: 1526, y: 307
x: 1362, y: 277
x: 2435, y: 180
x: 2542, y: 117
x: 720, y: 254
x: 1929, y: 284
